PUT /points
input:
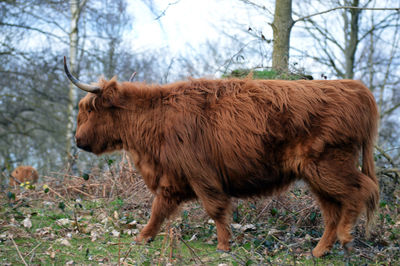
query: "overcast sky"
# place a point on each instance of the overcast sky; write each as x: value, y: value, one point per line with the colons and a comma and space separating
x: 188, y: 24
x: 185, y: 22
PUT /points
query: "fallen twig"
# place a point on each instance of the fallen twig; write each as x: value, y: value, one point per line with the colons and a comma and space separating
x: 19, y: 253
x: 32, y: 251
x: 84, y: 193
x: 367, y: 257
x: 58, y: 194
x: 191, y: 250
x: 119, y: 249
x: 127, y: 253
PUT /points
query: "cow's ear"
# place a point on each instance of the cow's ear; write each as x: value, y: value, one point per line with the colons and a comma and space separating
x: 109, y: 93
x: 122, y: 95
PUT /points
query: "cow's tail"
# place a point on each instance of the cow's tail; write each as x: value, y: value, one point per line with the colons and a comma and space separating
x: 368, y: 169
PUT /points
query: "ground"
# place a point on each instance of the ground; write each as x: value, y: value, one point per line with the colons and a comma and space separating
x: 92, y: 219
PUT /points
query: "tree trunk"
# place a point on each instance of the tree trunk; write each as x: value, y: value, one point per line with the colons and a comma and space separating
x: 76, y: 8
x: 281, y: 26
x: 351, y: 38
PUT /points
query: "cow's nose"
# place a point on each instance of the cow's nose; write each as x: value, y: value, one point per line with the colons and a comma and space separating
x: 78, y: 141
x: 81, y: 144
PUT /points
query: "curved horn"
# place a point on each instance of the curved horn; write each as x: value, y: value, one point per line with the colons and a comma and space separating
x: 132, y: 77
x: 76, y: 82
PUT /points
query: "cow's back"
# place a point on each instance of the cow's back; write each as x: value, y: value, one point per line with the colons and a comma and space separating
x: 255, y: 135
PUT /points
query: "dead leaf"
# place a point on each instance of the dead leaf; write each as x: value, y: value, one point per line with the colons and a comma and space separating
x: 194, y: 237
x: 236, y: 226
x: 45, y: 232
x: 132, y: 224
x: 115, y: 233
x: 27, y: 223
x: 63, y: 222
x: 94, y: 235
x: 52, y: 254
x: 64, y: 242
x: 248, y: 227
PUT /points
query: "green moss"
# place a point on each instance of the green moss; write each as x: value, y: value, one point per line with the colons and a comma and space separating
x: 265, y: 74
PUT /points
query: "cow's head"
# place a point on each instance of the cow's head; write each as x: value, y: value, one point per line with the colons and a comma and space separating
x: 98, y: 117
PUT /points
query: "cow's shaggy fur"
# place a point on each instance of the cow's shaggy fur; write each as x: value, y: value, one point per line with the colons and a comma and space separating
x: 216, y: 139
x: 22, y: 174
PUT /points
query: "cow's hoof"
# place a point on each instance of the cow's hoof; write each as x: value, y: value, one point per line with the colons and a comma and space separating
x: 223, y: 251
x: 348, y: 247
x: 223, y: 248
x: 319, y: 253
x: 142, y: 240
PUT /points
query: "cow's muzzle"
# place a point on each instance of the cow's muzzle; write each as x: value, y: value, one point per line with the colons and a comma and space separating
x: 82, y: 145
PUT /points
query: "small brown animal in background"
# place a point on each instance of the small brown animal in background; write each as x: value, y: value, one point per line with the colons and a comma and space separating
x: 217, y: 139
x: 22, y: 174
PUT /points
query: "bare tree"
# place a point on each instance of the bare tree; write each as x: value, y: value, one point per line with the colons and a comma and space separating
x: 283, y: 23
x: 282, y: 26
x: 76, y: 8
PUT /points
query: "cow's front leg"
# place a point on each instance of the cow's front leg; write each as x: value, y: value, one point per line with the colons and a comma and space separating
x: 162, y: 208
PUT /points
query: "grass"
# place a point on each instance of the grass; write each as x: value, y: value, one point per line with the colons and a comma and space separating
x: 48, y: 241
x: 63, y: 227
x: 266, y: 74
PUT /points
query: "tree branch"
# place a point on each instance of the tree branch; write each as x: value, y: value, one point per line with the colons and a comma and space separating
x: 33, y: 29
x: 165, y: 10
x: 257, y: 6
x: 346, y: 7
x: 387, y: 156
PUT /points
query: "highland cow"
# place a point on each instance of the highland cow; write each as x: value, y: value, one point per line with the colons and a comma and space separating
x: 23, y: 174
x: 216, y: 139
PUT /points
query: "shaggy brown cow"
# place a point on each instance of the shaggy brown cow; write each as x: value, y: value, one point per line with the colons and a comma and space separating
x: 216, y: 139
x: 22, y: 174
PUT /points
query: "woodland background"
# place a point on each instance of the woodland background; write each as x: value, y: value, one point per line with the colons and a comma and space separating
x: 330, y: 39
x: 38, y: 105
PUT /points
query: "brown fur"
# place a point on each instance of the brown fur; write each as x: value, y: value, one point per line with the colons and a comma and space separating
x: 22, y: 174
x: 217, y: 139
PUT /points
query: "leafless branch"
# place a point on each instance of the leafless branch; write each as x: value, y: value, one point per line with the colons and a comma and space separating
x: 390, y: 110
x: 384, y: 154
x: 388, y: 67
x: 82, y: 5
x: 33, y: 29
x: 165, y: 10
x: 345, y: 7
x: 251, y: 3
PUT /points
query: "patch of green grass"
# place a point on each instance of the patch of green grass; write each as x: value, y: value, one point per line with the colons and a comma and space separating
x: 49, y: 243
x: 265, y: 74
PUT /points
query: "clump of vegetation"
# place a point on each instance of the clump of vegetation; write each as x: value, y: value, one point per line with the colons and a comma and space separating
x: 266, y: 74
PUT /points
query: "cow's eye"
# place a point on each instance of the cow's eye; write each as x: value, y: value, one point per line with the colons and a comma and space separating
x: 89, y: 111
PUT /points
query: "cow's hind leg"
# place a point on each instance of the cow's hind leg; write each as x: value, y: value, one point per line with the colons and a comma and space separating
x: 161, y: 209
x: 335, y: 179
x: 331, y: 214
x: 218, y: 206
x: 346, y: 223
x: 361, y: 198
x: 220, y: 210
